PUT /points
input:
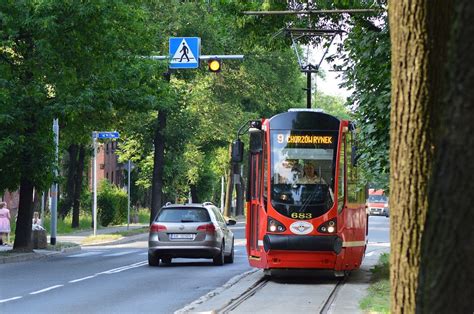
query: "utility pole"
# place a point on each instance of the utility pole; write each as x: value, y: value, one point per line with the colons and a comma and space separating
x: 178, y: 58
x: 54, y: 187
x: 128, y: 194
x: 94, y: 182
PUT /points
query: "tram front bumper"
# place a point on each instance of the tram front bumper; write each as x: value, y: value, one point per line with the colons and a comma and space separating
x: 302, y: 243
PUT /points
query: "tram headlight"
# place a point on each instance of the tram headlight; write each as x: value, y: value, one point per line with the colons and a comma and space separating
x: 274, y: 225
x: 329, y: 226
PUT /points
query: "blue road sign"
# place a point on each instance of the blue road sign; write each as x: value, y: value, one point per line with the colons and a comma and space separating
x: 107, y: 135
x: 184, y: 52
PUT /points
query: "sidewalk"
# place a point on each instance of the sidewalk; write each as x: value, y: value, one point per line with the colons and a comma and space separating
x: 76, y: 238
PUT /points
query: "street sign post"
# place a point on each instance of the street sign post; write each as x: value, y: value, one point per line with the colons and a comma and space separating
x: 98, y: 135
x: 184, y: 52
x: 112, y: 134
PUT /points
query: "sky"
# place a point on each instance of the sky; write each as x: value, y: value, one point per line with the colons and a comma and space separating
x: 328, y: 85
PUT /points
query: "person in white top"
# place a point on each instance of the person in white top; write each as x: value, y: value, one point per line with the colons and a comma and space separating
x: 36, y: 219
x: 4, y: 221
x: 310, y: 176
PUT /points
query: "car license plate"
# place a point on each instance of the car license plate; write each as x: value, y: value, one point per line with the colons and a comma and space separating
x: 182, y: 236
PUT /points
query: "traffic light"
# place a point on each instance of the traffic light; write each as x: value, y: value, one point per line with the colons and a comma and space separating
x: 214, y: 64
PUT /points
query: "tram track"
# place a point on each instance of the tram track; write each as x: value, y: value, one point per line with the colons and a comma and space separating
x: 332, y: 296
x: 234, y: 303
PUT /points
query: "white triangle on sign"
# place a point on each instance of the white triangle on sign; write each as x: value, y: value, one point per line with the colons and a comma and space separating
x: 183, y: 54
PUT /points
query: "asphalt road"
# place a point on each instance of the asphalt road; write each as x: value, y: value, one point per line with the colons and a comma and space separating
x: 117, y: 278
x: 112, y: 279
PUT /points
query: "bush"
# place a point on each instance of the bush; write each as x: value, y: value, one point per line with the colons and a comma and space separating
x: 112, y: 204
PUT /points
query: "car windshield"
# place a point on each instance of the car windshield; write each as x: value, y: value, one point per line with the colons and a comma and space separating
x: 377, y: 199
x: 183, y: 215
x: 302, y: 178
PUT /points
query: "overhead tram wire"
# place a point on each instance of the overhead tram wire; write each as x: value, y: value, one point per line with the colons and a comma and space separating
x: 309, y: 12
x: 302, y: 32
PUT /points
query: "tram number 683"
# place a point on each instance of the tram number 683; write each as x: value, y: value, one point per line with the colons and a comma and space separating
x: 301, y: 215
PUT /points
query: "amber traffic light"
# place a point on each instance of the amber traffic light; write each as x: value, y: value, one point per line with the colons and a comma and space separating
x: 214, y: 65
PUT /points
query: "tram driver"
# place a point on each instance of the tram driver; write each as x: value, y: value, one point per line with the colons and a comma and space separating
x: 310, y: 175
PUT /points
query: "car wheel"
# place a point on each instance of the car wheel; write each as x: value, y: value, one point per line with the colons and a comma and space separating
x: 153, y: 260
x: 219, y: 259
x: 230, y: 259
x: 166, y: 260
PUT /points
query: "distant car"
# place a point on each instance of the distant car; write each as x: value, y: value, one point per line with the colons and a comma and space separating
x: 377, y: 205
x: 190, y: 231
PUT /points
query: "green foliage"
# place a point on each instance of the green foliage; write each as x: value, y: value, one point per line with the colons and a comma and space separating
x: 333, y: 105
x: 368, y: 75
x: 64, y: 225
x: 112, y: 204
x: 206, y: 109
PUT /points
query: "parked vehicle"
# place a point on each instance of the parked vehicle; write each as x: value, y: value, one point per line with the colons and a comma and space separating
x: 377, y: 203
x: 190, y: 231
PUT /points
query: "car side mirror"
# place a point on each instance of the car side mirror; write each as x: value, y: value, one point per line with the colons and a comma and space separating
x: 231, y: 222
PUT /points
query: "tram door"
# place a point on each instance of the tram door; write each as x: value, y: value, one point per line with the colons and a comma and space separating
x: 255, y: 169
x: 255, y: 189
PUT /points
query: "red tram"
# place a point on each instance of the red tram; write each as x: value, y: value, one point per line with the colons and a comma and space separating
x: 305, y: 204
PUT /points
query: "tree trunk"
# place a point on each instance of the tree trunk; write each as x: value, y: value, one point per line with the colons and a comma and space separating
x: 418, y: 37
x: 194, y: 193
x: 25, y: 216
x: 78, y: 177
x: 70, y: 181
x: 228, y: 193
x: 447, y: 254
x: 159, y: 161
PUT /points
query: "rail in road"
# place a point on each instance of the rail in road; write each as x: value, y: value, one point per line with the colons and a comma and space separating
x: 325, y: 300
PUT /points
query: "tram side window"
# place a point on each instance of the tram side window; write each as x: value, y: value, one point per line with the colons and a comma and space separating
x: 355, y: 190
x: 351, y: 172
x: 341, y: 192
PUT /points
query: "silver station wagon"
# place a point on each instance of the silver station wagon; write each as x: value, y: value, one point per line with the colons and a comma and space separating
x: 190, y: 231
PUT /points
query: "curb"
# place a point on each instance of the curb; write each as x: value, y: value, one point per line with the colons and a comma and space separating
x: 39, y: 254
x: 121, y: 240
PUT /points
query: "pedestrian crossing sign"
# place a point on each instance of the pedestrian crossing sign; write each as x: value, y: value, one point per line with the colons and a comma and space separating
x: 184, y: 52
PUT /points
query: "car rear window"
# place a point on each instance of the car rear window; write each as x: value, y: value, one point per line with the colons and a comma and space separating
x: 181, y: 214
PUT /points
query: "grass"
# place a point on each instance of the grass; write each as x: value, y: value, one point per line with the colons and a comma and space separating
x: 114, y: 236
x: 101, y: 238
x: 378, y: 299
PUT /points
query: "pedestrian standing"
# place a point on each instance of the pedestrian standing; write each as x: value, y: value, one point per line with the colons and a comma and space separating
x: 4, y: 221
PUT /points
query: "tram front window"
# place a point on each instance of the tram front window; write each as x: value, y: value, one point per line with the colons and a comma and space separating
x: 302, y: 180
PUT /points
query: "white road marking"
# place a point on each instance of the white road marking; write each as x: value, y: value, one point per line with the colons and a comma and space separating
x: 46, y: 289
x: 11, y: 299
x: 123, y: 268
x: 121, y: 253
x: 81, y: 279
x: 86, y: 254
x: 369, y: 254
